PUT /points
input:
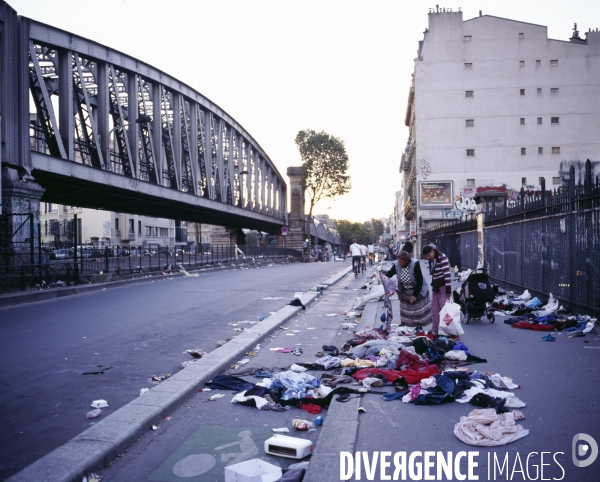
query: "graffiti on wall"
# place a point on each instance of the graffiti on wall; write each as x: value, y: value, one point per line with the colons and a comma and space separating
x: 565, y: 167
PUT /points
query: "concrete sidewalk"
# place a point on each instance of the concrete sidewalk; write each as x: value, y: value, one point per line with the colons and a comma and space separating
x: 99, y: 445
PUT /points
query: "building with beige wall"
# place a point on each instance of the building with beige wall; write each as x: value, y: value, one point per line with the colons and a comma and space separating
x: 495, y: 103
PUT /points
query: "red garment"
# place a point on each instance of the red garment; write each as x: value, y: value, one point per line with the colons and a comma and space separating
x: 407, y: 358
x: 390, y: 375
x: 532, y: 326
x: 415, y: 376
x: 310, y: 408
x: 411, y: 376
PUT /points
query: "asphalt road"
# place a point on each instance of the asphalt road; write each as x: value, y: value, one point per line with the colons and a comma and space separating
x: 58, y: 356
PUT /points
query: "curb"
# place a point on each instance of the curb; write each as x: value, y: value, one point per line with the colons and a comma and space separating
x: 54, y: 293
x: 342, y: 418
x: 99, y: 445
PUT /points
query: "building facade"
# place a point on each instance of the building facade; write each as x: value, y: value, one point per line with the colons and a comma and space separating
x: 494, y: 104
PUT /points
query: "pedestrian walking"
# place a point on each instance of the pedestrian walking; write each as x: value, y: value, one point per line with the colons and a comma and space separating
x: 413, y: 293
x: 441, y: 284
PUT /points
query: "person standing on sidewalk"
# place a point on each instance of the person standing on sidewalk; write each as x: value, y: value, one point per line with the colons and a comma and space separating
x: 413, y: 293
x: 441, y: 284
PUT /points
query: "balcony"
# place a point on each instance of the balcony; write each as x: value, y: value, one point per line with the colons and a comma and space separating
x: 131, y: 236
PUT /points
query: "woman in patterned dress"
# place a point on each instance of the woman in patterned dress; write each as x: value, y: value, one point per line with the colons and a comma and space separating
x: 413, y: 292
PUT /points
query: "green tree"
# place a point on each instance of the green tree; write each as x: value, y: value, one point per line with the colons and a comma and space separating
x: 324, y: 164
x: 377, y: 228
x: 348, y: 230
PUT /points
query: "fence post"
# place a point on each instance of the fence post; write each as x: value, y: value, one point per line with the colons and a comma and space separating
x: 39, y: 236
x: 75, y: 265
x: 588, y: 183
x: 68, y: 274
x: 543, y: 188
x: 106, y: 259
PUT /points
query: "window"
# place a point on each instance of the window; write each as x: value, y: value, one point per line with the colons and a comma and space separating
x: 470, y: 182
x: 131, y: 227
x: 539, y: 91
x: 164, y: 232
x: 538, y: 63
x: 468, y: 93
x: 556, y: 150
x: 554, y: 90
x: 539, y: 121
x: 116, y: 224
x: 521, y: 63
x: 557, y: 181
x: 554, y: 120
x: 521, y: 35
x: 524, y: 181
x: 468, y: 65
x: 470, y: 152
x: 467, y: 38
x: 554, y: 62
x: 540, y: 150
x: 522, y: 121
x: 522, y: 91
x: 523, y: 151
x: 470, y: 123
x: 140, y: 228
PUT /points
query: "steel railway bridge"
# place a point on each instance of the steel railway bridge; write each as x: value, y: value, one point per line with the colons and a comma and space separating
x: 97, y: 128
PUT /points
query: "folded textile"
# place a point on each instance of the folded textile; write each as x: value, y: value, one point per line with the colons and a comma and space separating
x: 348, y: 362
x: 486, y: 428
x: 458, y: 355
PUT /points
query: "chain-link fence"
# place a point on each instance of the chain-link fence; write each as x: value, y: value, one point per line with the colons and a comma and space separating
x: 546, y: 243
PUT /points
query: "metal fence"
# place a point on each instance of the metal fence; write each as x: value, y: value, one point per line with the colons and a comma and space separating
x: 23, y: 275
x: 546, y: 243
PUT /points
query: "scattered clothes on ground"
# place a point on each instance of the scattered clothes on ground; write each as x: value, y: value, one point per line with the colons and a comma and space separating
x: 548, y: 338
x: 486, y: 428
x: 297, y: 302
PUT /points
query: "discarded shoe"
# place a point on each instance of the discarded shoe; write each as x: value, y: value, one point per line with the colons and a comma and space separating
x: 320, y: 354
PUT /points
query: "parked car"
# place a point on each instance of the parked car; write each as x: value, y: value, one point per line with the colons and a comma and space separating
x: 63, y: 254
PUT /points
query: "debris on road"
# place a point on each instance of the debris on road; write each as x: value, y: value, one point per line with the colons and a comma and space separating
x: 93, y: 414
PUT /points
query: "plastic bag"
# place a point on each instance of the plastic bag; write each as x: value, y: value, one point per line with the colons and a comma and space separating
x: 450, y: 320
x: 526, y: 296
x: 534, y: 303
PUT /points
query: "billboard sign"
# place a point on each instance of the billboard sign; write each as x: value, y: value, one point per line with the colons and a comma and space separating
x: 436, y: 194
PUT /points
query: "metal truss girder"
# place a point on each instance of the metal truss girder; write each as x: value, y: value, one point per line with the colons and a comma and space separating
x: 189, y: 176
x: 43, y: 103
x: 201, y: 151
x: 167, y: 141
x: 118, y: 116
x: 147, y: 157
x: 195, y: 142
x: 87, y: 125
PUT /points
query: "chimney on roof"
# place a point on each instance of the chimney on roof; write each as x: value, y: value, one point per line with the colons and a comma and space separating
x: 480, y: 13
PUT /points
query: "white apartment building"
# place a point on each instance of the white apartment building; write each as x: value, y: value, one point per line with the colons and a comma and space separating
x: 106, y: 228
x: 494, y: 103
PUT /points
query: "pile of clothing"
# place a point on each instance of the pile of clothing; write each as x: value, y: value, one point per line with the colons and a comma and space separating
x: 529, y: 314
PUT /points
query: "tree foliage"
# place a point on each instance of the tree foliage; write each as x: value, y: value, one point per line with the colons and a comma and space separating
x: 365, y: 233
x: 324, y: 164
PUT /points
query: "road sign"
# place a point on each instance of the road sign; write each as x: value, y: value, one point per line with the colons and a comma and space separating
x: 284, y: 230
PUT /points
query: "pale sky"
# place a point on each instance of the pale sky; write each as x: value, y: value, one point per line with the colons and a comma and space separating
x: 279, y: 66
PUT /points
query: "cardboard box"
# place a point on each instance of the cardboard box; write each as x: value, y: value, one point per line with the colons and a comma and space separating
x: 254, y: 470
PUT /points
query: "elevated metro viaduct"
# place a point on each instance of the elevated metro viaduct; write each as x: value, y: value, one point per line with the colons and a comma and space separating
x: 85, y: 125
